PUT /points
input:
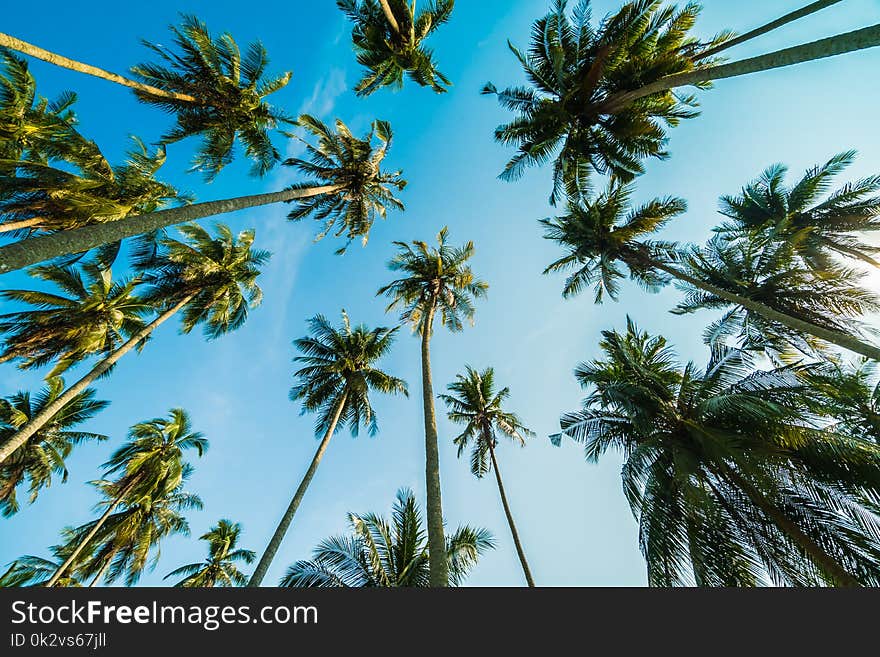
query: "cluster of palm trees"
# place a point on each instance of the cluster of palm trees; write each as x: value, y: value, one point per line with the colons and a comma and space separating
x: 764, y: 468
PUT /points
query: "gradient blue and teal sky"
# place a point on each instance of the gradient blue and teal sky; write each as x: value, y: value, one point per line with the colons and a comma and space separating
x: 575, y: 524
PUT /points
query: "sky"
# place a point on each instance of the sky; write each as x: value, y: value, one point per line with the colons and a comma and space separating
x: 575, y: 524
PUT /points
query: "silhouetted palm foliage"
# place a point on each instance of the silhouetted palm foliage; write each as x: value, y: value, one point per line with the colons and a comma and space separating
x: 31, y: 570
x: 382, y: 554
x: 849, y: 395
x: 389, y: 50
x: 220, y: 568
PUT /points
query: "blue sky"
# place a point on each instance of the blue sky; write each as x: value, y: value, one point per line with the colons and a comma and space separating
x: 575, y: 524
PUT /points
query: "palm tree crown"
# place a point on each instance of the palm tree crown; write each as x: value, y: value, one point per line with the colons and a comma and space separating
x: 43, y: 455
x: 389, y: 39
x: 229, y: 91
x: 219, y: 569
x: 351, y: 165
x: 383, y: 554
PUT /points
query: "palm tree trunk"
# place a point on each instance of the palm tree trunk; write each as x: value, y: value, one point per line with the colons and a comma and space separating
x: 40, y: 419
x: 92, y: 533
x: 825, y: 561
x: 18, y: 225
x: 45, y: 247
x: 438, y: 564
x: 519, y: 548
x: 868, y: 37
x: 838, y: 338
x: 274, y: 544
x: 23, y: 47
x: 769, y: 27
x: 97, y: 578
x: 392, y: 21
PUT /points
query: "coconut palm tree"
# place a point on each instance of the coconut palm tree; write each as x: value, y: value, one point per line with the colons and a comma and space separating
x: 93, y: 314
x: 339, y: 372
x: 212, y: 89
x: 347, y: 187
x: 477, y: 405
x: 219, y: 569
x: 44, y: 453
x: 820, y: 223
x: 730, y: 481
x: 600, y: 98
x: 770, y: 274
x: 211, y: 281
x: 150, y: 470
x: 849, y: 395
x: 389, y: 39
x: 383, y: 554
x: 434, y: 282
x: 604, y: 237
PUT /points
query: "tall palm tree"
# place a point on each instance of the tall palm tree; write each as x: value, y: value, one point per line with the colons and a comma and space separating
x: 731, y: 482
x: 151, y: 469
x: 604, y: 235
x: 434, y: 281
x: 600, y: 97
x: 389, y: 39
x: 347, y: 186
x: 219, y: 569
x: 821, y: 224
x: 477, y: 405
x: 44, y: 453
x: 335, y: 381
x: 383, y: 554
x: 212, y: 90
x: 93, y: 315
x: 210, y: 280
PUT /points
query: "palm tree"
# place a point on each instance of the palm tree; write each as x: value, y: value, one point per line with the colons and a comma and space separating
x: 33, y: 128
x: 151, y: 469
x: 770, y: 274
x: 389, y: 39
x: 93, y: 315
x: 212, y: 90
x: 475, y: 404
x: 347, y: 186
x: 731, y: 483
x: 44, y: 453
x: 219, y: 569
x: 383, y: 554
x: 335, y: 381
x: 211, y: 280
x: 849, y: 395
x: 603, y: 234
x: 31, y: 570
x: 433, y: 281
x: 821, y: 227
x: 600, y: 98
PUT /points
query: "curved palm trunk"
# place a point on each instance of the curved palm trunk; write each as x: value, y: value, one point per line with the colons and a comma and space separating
x: 769, y: 27
x: 271, y: 549
x: 825, y: 561
x: 438, y: 564
x: 519, y: 548
x: 838, y: 338
x: 97, y: 578
x: 18, y: 225
x: 868, y: 37
x: 40, y: 419
x: 26, y: 48
x: 92, y: 533
x: 45, y: 247
x: 390, y: 16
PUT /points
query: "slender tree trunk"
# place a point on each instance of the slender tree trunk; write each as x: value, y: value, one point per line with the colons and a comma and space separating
x: 437, y: 558
x: 519, y: 548
x: 812, y: 8
x: 18, y: 225
x: 92, y: 533
x: 825, y: 561
x: 838, y: 338
x: 40, y: 419
x: 5, y: 358
x: 45, y: 247
x: 23, y: 47
x: 868, y: 37
x: 390, y: 16
x: 274, y: 544
x: 97, y: 578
